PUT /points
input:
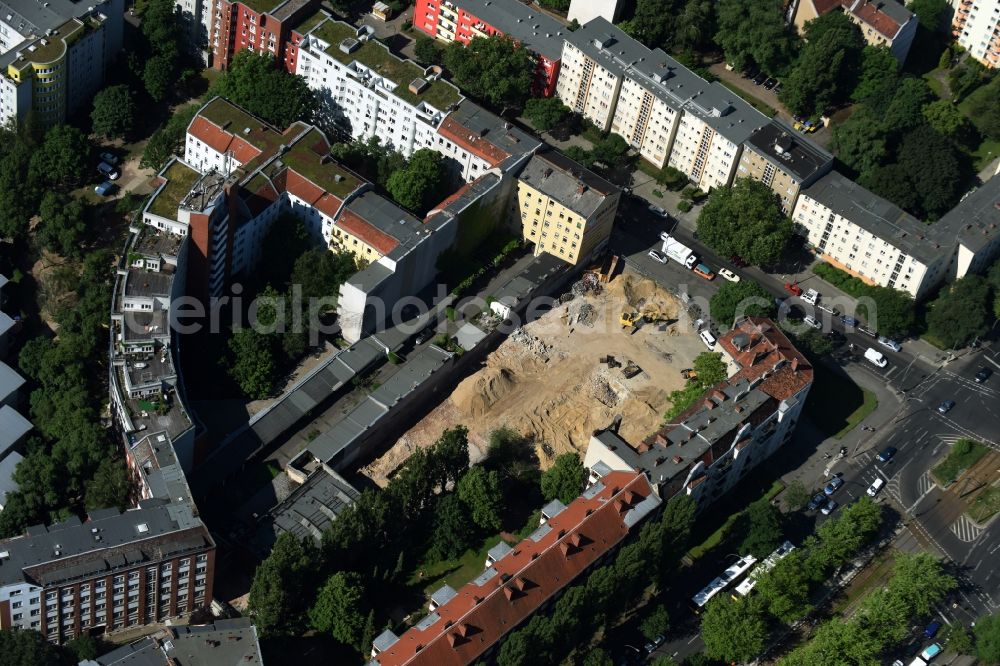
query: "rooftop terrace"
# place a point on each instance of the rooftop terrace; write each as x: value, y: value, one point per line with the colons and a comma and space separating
x: 180, y: 179
x: 304, y: 159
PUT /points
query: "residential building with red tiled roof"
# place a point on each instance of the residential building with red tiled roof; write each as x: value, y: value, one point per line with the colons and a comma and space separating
x: 735, y: 426
x: 468, y: 624
x: 476, y: 141
x: 882, y: 22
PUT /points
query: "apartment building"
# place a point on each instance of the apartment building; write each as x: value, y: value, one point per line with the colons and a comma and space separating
x: 255, y: 25
x: 116, y: 570
x: 736, y: 426
x: 467, y: 625
x: 583, y: 11
x: 221, y: 643
x: 783, y: 160
x: 376, y: 93
x: 564, y: 209
x: 882, y: 22
x: 53, y: 56
x: 475, y: 141
x: 663, y: 110
x: 976, y: 26
x: 871, y: 238
x: 465, y: 19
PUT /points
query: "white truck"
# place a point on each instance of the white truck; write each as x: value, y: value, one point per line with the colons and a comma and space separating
x: 678, y: 251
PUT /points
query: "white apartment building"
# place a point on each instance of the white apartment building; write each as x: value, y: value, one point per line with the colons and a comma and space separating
x: 375, y: 92
x: 976, y: 26
x: 594, y: 59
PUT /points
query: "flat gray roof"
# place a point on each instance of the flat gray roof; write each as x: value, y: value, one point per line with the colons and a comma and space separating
x: 223, y: 643
x: 536, y: 31
x: 6, y: 323
x: 13, y: 427
x: 503, y: 134
x: 309, y: 510
x: 7, y: 465
x: 566, y: 181
x: 976, y: 219
x: 141, y: 283
x: 109, y: 540
x: 878, y: 216
x: 385, y: 216
x: 10, y: 381
x: 31, y: 17
x: 788, y: 150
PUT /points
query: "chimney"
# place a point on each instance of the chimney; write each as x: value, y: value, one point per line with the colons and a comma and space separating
x: 581, y: 188
x: 795, y: 365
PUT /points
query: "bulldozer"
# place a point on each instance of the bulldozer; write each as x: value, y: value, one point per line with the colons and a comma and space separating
x: 648, y: 315
x: 688, y: 373
x: 630, y: 320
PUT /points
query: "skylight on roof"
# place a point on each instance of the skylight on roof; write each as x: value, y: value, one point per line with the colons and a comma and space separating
x: 142, y: 528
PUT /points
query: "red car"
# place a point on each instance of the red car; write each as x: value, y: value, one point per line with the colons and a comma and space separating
x: 793, y: 289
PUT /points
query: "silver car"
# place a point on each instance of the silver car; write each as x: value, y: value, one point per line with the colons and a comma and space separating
x: 657, y: 256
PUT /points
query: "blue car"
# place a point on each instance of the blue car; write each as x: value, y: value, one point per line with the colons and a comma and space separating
x: 886, y: 454
x: 835, y: 483
x: 931, y: 630
x: 105, y: 188
x: 849, y: 321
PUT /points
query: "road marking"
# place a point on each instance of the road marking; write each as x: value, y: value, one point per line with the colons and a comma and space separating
x: 924, y: 486
x: 992, y: 361
x: 966, y: 530
x: 994, y: 548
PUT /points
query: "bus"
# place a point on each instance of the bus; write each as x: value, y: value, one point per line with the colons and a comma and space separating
x: 744, y: 588
x: 720, y: 583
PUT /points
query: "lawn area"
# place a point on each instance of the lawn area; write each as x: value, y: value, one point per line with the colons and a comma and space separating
x: 985, y: 505
x: 963, y: 455
x: 836, y: 404
x: 987, y: 151
x: 455, y: 572
x: 716, y: 537
x: 766, y: 109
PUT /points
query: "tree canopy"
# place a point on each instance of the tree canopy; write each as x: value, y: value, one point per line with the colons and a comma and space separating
x: 763, y: 529
x: 113, y: 114
x: 743, y: 298
x: 734, y: 631
x: 545, y: 112
x: 827, y: 69
x: 987, y: 633
x: 255, y: 82
x: 878, y: 76
x: 278, y: 593
x: 984, y: 109
x: 26, y: 647
x: 62, y: 158
x: 745, y: 219
x: 253, y: 365
x: 565, y: 479
x: 340, y: 609
x: 495, y: 69
x: 62, y: 228
x: 418, y: 186
x: 754, y: 32
x: 482, y: 496
x: 961, y: 312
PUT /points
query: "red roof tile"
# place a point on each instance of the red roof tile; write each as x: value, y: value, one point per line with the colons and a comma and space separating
x: 879, y: 20
x: 355, y: 225
x: 480, y: 615
x: 464, y: 138
x: 304, y: 189
x: 221, y: 141
x: 766, y: 347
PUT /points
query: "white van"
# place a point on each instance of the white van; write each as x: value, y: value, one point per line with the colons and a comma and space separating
x: 876, y: 358
x: 875, y: 487
x: 708, y: 339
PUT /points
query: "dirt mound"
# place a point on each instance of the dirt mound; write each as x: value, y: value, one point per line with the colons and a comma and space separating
x: 478, y: 393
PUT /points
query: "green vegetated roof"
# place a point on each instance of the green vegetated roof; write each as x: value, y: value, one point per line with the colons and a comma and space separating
x: 180, y: 180
x: 310, y: 22
x: 55, y: 44
x: 262, y: 6
x: 309, y: 164
x: 377, y: 57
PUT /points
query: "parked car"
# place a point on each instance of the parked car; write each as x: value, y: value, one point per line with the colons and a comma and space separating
x: 107, y: 170
x: 751, y: 73
x: 658, y: 256
x: 931, y: 651
x: 759, y: 79
x: 848, y: 321
x: 105, y: 188
x: 930, y: 631
x: 834, y: 312
x: 811, y: 296
x: 983, y: 375
x: 876, y: 486
x: 816, y: 502
x: 777, y: 88
x: 876, y: 358
x: 946, y: 406
x: 810, y: 320
x: 829, y: 507
x: 870, y: 332
x: 109, y: 158
x: 655, y: 643
x: 889, y: 343
x: 425, y: 335
x: 831, y: 487
x: 886, y: 454
x: 703, y: 271
x: 793, y: 289
x: 770, y: 83
x: 657, y: 211
x: 727, y: 274
x: 708, y: 339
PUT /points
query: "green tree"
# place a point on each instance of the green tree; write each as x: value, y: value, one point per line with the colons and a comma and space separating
x: 29, y: 648
x: 449, y: 456
x: 419, y: 185
x: 168, y: 139
x: 966, y: 78
x: 878, y: 77
x: 930, y: 13
x: 114, y: 112
x: 340, y: 610
x: 255, y: 82
x: 61, y: 160
x: 597, y: 657
x: 958, y: 639
x: 828, y: 66
x: 946, y: 119
x: 961, y: 312
x: 906, y: 109
x: 320, y: 272
x: 452, y: 534
x: 545, y: 112
x: 495, y: 69
x: 796, y: 495
x: 935, y: 168
x: 564, y: 480
x: 62, y: 227
x: 919, y: 581
x: 785, y: 588
x: 745, y: 219
x: 480, y: 492
x: 695, y: 26
x: 987, y: 633
x: 253, y: 366
x: 111, y: 486
x: 18, y: 195
x: 763, y: 529
x: 84, y: 647
x: 754, y: 32
x: 836, y: 642
x: 744, y: 298
x: 711, y: 369
x: 860, y: 141
x: 733, y: 631
x: 656, y: 623
x: 279, y: 592
x: 556, y: 5
x: 427, y: 51
x: 984, y: 109
x: 160, y: 76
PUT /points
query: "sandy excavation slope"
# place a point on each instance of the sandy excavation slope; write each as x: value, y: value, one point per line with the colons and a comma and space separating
x: 546, y: 379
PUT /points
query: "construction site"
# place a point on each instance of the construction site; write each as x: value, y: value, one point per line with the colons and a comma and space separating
x: 606, y: 351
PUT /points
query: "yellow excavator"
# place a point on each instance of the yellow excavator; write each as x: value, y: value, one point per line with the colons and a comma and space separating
x: 649, y: 315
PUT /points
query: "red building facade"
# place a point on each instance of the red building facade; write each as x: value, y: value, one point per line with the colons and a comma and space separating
x: 239, y: 26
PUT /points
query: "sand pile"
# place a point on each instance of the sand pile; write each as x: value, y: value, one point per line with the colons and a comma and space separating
x: 478, y: 393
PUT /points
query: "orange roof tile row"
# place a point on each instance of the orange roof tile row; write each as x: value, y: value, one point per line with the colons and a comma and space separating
x: 221, y: 141
x: 356, y: 226
x: 879, y: 20
x: 477, y: 145
x: 768, y: 346
x: 480, y: 615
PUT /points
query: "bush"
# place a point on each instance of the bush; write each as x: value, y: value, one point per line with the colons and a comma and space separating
x: 449, y: 312
x: 685, y: 206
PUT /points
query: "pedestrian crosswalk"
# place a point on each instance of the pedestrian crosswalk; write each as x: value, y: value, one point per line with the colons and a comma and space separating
x: 924, y: 484
x: 965, y: 529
